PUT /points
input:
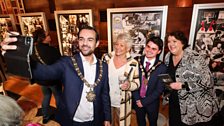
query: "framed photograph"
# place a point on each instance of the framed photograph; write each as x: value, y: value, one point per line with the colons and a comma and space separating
x: 207, y: 36
x: 7, y: 23
x: 29, y: 22
x: 140, y: 22
x: 68, y: 23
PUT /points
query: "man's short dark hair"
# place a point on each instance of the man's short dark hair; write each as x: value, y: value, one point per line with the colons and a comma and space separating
x: 87, y: 27
x: 39, y: 35
x: 157, y: 40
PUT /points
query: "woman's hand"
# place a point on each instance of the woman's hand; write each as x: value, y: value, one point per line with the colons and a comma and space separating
x: 139, y: 103
x: 125, y: 85
x: 176, y: 85
x: 107, y: 123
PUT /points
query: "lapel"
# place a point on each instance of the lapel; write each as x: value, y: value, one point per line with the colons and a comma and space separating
x: 156, y: 61
x: 79, y: 62
x: 142, y: 58
x: 80, y: 65
x: 152, y: 68
x: 97, y: 70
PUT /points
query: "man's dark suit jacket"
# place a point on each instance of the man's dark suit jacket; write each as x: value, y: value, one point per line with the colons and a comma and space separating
x: 64, y: 70
x: 49, y: 55
x: 154, y: 89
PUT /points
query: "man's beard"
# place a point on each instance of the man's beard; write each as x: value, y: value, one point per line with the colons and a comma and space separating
x: 90, y: 52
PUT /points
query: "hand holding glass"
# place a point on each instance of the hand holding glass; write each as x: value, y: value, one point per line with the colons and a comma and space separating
x: 121, y: 79
x: 123, y: 82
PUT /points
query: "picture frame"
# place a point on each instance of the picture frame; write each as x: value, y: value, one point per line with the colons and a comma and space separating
x: 68, y: 24
x: 29, y: 22
x: 7, y: 23
x: 139, y: 22
x: 207, y: 36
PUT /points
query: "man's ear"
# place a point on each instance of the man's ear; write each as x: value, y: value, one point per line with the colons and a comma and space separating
x: 159, y: 52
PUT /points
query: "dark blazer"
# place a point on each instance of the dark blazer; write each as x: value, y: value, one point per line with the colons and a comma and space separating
x: 154, y: 89
x: 64, y: 70
x: 49, y: 55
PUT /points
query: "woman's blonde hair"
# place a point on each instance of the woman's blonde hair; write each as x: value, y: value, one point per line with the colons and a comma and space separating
x: 126, y: 38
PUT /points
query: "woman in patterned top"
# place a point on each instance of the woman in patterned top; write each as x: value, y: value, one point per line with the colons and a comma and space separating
x: 192, y: 100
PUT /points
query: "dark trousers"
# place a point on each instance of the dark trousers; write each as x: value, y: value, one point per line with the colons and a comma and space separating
x: 152, y: 115
x: 174, y: 110
x: 47, y: 92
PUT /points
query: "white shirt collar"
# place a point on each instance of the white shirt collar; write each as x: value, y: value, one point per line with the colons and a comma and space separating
x: 84, y: 60
x: 152, y: 61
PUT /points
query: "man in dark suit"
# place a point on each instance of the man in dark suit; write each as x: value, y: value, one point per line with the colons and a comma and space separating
x: 147, y: 97
x: 85, y: 99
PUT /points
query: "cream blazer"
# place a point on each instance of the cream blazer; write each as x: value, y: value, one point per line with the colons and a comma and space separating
x: 126, y: 101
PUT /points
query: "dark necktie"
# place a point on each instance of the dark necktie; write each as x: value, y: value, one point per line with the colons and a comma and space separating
x: 144, y: 81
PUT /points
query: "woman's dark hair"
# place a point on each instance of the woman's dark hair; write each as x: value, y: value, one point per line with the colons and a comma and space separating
x: 179, y: 35
x: 39, y: 35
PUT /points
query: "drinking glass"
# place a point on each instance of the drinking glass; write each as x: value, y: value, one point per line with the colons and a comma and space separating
x: 121, y: 79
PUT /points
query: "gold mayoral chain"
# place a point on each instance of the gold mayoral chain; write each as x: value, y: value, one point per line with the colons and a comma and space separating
x: 91, y: 96
x: 38, y: 55
x: 148, y: 72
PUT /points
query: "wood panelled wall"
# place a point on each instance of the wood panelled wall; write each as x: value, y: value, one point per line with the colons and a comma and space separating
x: 179, y: 18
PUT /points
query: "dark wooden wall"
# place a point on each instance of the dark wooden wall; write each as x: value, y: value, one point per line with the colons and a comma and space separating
x: 179, y: 18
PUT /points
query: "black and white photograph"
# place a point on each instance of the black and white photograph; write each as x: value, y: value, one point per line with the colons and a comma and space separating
x: 7, y: 23
x: 68, y: 24
x: 140, y: 23
x: 208, y: 37
x: 29, y: 22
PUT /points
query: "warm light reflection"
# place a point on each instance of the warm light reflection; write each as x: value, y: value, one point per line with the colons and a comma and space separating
x: 183, y: 3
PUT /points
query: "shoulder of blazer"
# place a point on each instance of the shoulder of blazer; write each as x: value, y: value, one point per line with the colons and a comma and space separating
x: 106, y: 57
x: 133, y: 62
x: 140, y: 59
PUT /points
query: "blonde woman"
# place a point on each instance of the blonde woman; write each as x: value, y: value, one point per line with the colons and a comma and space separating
x: 121, y: 63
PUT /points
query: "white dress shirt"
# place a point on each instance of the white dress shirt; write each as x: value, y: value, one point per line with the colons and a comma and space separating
x: 84, y: 111
x: 152, y: 61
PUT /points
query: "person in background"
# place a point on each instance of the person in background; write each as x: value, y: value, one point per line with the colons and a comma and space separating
x: 147, y: 97
x: 46, y: 54
x: 192, y: 100
x: 85, y: 99
x: 120, y: 64
x: 11, y: 113
x: 2, y: 74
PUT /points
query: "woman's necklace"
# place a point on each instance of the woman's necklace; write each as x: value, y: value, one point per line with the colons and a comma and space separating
x: 91, y: 96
